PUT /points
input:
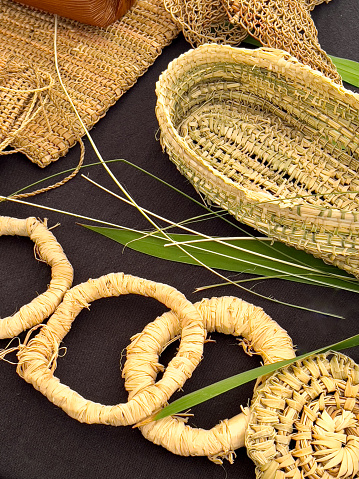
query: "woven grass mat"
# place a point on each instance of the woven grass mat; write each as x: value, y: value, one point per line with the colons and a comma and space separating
x: 97, y: 66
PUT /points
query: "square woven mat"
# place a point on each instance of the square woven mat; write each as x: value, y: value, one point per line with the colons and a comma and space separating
x: 97, y: 66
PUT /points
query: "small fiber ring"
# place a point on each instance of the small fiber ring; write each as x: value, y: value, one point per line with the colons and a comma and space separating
x: 49, y: 251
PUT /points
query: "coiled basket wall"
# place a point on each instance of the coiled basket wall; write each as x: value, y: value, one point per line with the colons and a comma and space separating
x: 270, y: 140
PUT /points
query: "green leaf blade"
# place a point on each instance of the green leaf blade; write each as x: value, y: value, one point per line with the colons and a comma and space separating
x: 220, y: 387
x: 255, y: 257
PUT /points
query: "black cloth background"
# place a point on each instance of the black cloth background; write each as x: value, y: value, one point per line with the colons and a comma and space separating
x: 37, y: 439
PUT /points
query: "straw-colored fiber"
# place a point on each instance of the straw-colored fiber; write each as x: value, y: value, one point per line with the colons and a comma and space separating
x: 282, y: 24
x: 205, y: 21
x: 100, y: 13
x: 270, y: 140
x: 286, y: 25
x: 229, y: 315
x: 305, y: 421
x: 47, y: 249
x: 96, y: 65
x: 37, y: 358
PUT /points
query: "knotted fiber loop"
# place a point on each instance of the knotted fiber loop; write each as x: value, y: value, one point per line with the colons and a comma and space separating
x: 37, y: 359
x: 305, y: 420
x: 228, y: 315
x: 49, y: 251
x: 270, y: 140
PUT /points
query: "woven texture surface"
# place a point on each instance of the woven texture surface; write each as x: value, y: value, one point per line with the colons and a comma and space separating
x: 271, y: 141
x: 283, y: 24
x: 204, y: 21
x: 97, y: 66
x: 304, y: 421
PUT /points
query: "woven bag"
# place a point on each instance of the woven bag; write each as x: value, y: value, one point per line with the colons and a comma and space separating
x: 100, y: 13
x: 270, y: 140
x: 284, y: 24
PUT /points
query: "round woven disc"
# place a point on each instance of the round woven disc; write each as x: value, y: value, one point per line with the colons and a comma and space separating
x: 37, y: 360
x: 305, y: 421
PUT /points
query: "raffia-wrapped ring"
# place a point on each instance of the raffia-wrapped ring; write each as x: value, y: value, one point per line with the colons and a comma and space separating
x: 37, y: 359
x: 305, y: 420
x: 228, y: 315
x: 49, y: 251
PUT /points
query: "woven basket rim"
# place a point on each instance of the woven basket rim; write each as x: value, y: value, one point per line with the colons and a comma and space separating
x: 255, y: 57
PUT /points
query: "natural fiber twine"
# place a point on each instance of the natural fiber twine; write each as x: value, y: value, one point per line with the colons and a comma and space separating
x: 48, y: 250
x: 282, y: 24
x: 270, y: 140
x: 97, y: 66
x: 37, y: 358
x: 304, y: 421
x: 228, y: 315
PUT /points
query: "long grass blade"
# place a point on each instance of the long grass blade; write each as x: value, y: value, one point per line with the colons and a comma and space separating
x: 220, y: 387
x: 254, y: 257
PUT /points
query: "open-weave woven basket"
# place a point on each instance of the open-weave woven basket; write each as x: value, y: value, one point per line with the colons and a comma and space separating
x: 284, y: 24
x: 97, y: 66
x: 304, y: 420
x: 270, y: 140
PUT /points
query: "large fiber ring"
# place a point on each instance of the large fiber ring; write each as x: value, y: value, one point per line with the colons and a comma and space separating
x: 37, y: 359
x: 228, y: 315
x: 49, y: 251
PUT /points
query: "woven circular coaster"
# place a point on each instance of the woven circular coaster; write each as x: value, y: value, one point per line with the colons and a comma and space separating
x: 270, y: 140
x: 97, y: 66
x: 49, y: 251
x: 37, y: 359
x: 305, y: 421
x: 228, y: 315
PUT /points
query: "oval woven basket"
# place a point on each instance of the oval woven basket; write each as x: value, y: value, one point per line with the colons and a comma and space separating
x: 270, y: 140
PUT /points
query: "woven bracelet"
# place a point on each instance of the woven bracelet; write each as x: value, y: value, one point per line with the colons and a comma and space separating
x: 37, y: 359
x: 49, y: 251
x: 228, y: 315
x: 305, y: 420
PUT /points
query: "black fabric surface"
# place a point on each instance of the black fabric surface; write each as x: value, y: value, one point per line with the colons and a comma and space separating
x: 37, y: 439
